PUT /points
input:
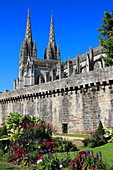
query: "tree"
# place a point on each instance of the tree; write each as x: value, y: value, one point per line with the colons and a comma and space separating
x: 107, y: 37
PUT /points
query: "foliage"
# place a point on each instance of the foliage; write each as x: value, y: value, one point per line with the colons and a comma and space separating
x: 100, y: 128
x: 17, y: 153
x: 50, y: 145
x: 4, y: 142
x: 64, y: 145
x: 24, y: 160
x: 43, y: 130
x: 7, y: 156
x: 85, y: 160
x: 109, y: 134
x: 48, y: 162
x: 107, y: 37
x: 94, y: 140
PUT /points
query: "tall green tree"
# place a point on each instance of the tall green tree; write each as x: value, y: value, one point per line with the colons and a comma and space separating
x: 106, y: 40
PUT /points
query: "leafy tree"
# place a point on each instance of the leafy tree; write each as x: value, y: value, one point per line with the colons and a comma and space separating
x: 107, y: 37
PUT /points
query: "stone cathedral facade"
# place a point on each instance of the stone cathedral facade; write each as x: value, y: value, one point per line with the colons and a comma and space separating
x: 73, y: 95
x: 33, y: 71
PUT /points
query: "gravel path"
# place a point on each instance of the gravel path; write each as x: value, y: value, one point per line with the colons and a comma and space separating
x: 68, y: 137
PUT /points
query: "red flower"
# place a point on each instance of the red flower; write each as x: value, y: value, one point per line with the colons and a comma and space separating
x: 85, y: 165
x: 38, y: 155
x: 44, y: 166
x: 93, y: 167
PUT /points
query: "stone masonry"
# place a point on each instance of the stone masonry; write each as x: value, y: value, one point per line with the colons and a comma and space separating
x: 80, y: 101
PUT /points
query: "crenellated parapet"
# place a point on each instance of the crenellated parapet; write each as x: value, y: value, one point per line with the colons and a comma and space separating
x: 97, y: 78
x: 80, y: 101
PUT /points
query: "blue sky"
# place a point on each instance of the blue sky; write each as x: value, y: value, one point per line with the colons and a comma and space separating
x: 75, y: 25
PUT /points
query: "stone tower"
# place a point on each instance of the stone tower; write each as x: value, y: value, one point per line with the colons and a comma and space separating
x: 52, y: 52
x: 28, y: 50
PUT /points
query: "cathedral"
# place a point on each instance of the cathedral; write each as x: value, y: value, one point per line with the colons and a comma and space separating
x: 33, y: 71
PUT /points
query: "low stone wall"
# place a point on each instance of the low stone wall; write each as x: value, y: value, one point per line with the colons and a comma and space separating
x: 80, y: 101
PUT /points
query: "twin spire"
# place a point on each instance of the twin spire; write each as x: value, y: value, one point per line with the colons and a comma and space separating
x: 28, y: 48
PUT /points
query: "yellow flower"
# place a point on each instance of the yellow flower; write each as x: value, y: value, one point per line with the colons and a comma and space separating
x: 39, y: 146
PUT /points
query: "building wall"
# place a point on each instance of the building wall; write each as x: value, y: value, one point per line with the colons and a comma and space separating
x: 80, y: 101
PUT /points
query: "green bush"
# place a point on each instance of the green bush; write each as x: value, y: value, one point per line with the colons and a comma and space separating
x: 94, y: 140
x: 5, y: 143
x: 64, y: 145
x: 7, y: 156
x: 100, y: 129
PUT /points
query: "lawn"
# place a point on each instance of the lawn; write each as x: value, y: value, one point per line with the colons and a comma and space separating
x: 66, y: 134
x: 4, y: 166
x: 106, y: 150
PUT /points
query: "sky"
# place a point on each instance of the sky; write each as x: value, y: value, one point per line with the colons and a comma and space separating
x: 75, y: 25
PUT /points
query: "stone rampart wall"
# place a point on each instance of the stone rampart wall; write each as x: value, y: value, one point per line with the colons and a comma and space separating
x: 79, y: 101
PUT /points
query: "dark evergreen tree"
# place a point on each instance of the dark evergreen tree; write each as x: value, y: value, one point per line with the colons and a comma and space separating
x: 107, y: 37
x: 100, y: 129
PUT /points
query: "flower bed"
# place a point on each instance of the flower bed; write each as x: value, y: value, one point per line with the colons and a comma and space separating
x: 27, y: 141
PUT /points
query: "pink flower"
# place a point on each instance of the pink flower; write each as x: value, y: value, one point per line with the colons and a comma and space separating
x: 26, y: 154
x: 27, y: 163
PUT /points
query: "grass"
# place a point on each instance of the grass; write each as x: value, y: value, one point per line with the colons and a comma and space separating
x: 4, y: 166
x: 66, y: 134
x: 106, y: 150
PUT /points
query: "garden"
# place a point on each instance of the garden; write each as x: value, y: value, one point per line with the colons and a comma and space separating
x: 27, y: 141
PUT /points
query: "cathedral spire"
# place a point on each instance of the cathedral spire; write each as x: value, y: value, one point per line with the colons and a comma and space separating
x: 52, y: 36
x: 28, y: 35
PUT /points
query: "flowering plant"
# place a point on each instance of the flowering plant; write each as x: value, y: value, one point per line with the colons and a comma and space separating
x: 85, y: 160
x: 50, y: 145
x: 17, y: 152
x: 25, y: 160
x: 47, y: 162
x: 43, y: 130
x: 94, y: 140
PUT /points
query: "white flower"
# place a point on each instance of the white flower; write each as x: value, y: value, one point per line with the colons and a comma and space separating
x: 39, y: 160
x: 61, y: 166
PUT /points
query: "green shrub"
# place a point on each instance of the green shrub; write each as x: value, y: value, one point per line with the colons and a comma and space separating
x: 7, y: 156
x: 100, y: 129
x: 4, y: 144
x: 1, y: 154
x: 94, y: 140
x: 64, y: 145
x: 109, y: 134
